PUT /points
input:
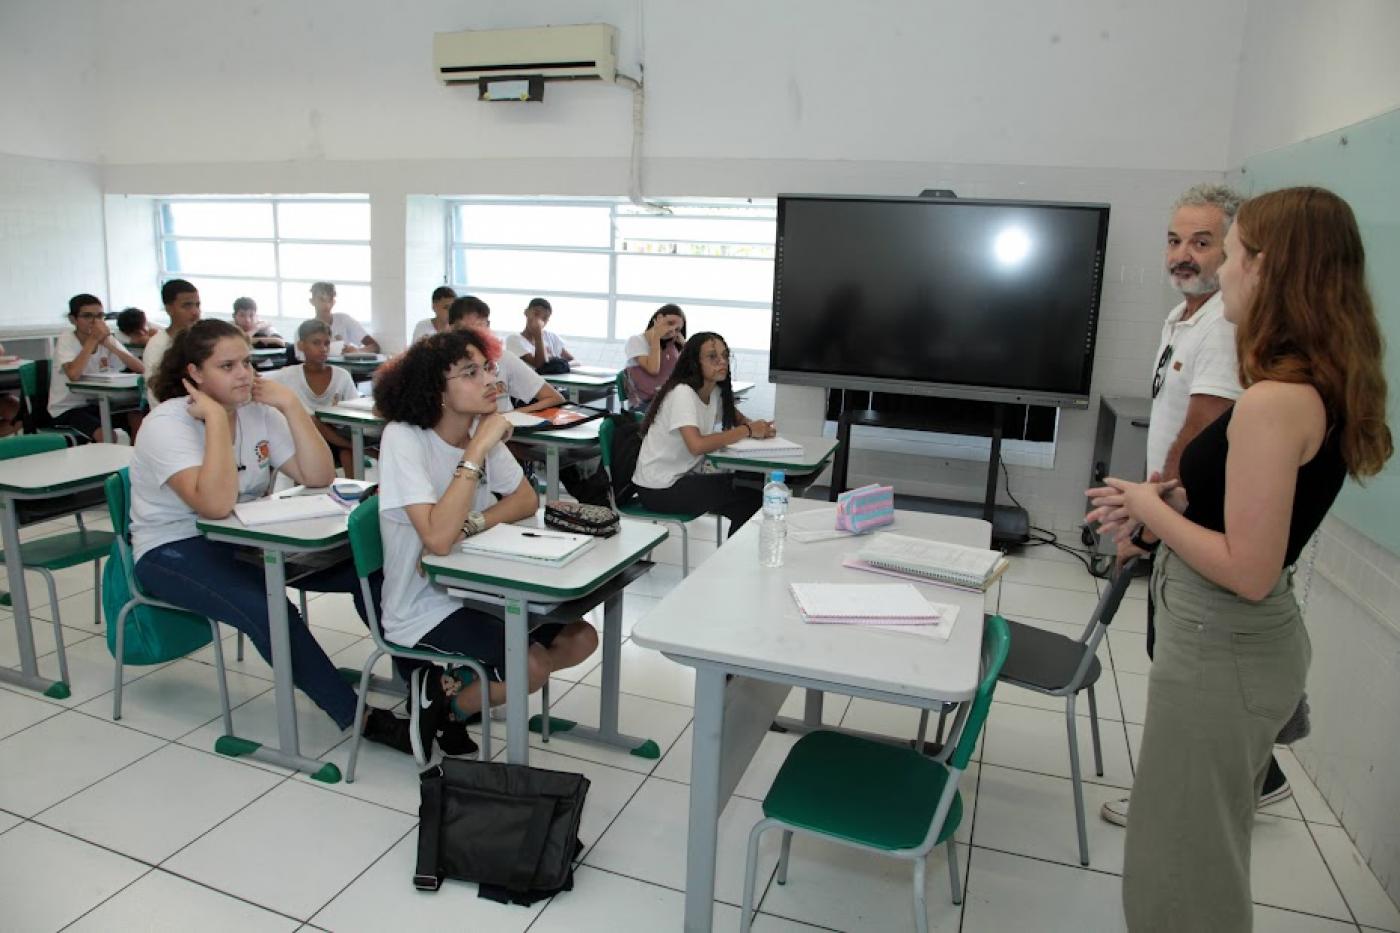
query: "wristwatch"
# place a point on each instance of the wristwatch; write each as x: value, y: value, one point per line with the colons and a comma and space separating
x: 474, y: 523
x: 466, y: 466
x: 1137, y: 541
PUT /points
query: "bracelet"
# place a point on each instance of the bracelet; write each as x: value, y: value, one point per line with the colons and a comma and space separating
x: 1136, y: 540
x: 467, y: 466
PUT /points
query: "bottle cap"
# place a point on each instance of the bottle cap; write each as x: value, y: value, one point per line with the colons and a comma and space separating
x: 777, y: 476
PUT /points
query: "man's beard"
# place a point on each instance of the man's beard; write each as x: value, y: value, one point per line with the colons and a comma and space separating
x: 1200, y: 284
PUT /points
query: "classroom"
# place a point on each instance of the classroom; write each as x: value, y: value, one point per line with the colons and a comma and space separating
x: 368, y: 201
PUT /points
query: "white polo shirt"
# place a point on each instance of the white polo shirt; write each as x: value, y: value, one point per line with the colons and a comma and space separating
x: 1203, y: 361
x: 520, y: 346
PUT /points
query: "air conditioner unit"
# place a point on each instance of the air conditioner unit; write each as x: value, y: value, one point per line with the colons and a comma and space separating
x: 550, y: 52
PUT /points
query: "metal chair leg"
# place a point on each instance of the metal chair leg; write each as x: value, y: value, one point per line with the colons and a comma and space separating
x: 305, y: 618
x: 719, y: 531
x: 97, y: 592
x: 119, y: 653
x: 57, y: 625
x: 953, y: 878
x: 1076, y: 781
x: 783, y: 856
x: 361, y: 702
x: 1094, y: 733
x: 239, y: 655
x: 544, y: 703
x: 920, y: 895
x: 750, y: 870
x: 923, y: 731
x: 685, y: 550
x: 223, y: 677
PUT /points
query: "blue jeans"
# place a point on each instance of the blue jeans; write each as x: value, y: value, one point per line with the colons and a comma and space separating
x: 206, y: 578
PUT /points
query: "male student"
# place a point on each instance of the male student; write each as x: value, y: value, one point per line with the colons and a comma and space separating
x: 344, y: 328
x: 89, y: 349
x: 317, y: 384
x: 1196, y: 379
x: 181, y: 300
x: 259, y: 332
x: 438, y: 323
x: 539, y: 348
x: 517, y: 380
x: 135, y: 330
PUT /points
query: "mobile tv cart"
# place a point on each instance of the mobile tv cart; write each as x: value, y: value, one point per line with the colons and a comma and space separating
x: 1010, y: 524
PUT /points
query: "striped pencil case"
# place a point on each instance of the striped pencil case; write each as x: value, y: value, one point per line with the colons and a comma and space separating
x: 869, y: 507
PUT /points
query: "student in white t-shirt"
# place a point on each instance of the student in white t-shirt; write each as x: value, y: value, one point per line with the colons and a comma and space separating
x: 259, y: 332
x: 681, y: 428
x: 215, y: 439
x: 319, y: 385
x: 517, y: 382
x: 345, y: 330
x: 89, y: 349
x: 540, y: 349
x: 438, y: 323
x: 444, y: 474
x: 652, y: 354
x: 181, y: 300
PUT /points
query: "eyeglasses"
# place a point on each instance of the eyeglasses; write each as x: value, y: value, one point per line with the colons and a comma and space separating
x: 473, y: 371
x: 90, y: 316
x: 1159, y: 378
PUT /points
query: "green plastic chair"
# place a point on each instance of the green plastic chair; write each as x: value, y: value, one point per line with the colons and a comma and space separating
x: 58, y: 552
x: 34, y: 404
x: 623, y: 399
x: 637, y: 510
x: 883, y: 798
x: 367, y: 549
x: 118, y: 489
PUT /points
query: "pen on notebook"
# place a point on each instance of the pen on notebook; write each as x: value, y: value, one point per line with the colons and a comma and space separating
x: 536, y: 534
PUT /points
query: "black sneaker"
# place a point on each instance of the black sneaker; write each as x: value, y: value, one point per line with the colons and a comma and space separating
x: 427, y: 710
x: 385, y: 728
x: 454, y: 739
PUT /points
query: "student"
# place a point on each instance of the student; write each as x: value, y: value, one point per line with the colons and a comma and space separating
x: 540, y: 349
x: 215, y: 440
x: 88, y: 349
x: 438, y: 323
x: 445, y: 474
x: 344, y: 329
x: 651, y: 355
x: 260, y: 333
x: 679, y: 431
x: 517, y: 382
x: 1232, y: 654
x: 136, y: 331
x: 317, y: 384
x: 181, y: 300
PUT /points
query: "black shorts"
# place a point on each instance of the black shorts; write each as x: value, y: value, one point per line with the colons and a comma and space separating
x: 86, y: 419
x: 480, y: 635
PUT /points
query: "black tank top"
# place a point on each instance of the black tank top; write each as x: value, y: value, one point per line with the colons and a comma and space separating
x: 1319, y: 481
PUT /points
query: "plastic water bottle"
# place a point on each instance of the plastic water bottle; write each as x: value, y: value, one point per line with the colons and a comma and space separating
x: 772, y: 534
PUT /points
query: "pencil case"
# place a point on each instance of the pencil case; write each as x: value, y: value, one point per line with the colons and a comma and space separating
x: 861, y: 510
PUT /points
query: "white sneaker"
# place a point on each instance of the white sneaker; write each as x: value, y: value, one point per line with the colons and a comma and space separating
x: 1116, y: 811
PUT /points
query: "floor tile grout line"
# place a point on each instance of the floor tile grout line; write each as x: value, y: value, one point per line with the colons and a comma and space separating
x: 360, y: 874
x: 1346, y: 902
x: 87, y: 787
x: 116, y: 893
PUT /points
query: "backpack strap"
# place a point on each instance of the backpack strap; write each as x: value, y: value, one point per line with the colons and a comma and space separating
x: 426, y: 876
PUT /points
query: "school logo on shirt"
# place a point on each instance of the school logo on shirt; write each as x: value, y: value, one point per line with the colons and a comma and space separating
x: 264, y: 452
x: 103, y: 363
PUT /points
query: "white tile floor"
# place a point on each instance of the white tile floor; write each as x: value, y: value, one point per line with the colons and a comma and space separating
x: 139, y: 825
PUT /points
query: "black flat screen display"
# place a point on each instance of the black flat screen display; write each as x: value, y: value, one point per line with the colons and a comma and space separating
x: 982, y: 295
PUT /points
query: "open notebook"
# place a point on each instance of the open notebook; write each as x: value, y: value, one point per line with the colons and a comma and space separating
x: 533, y: 545
x: 935, y: 561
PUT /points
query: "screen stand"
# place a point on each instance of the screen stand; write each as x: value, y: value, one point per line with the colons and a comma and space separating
x: 1010, y: 524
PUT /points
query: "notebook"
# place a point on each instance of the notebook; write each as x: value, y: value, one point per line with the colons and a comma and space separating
x: 592, y: 370
x: 288, y: 509
x: 112, y: 379
x: 362, y: 403
x: 883, y: 604
x: 524, y: 419
x: 935, y: 561
x: 767, y: 447
x: 533, y: 545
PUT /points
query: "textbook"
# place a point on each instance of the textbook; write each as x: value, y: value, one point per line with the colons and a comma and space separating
x: 295, y: 508
x: 112, y: 379
x: 766, y: 447
x: 863, y: 604
x: 551, y: 419
x: 533, y: 545
x: 935, y: 561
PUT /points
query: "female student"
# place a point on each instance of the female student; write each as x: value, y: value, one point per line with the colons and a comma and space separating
x: 679, y: 431
x: 317, y: 384
x: 651, y: 355
x: 1232, y: 654
x: 89, y: 349
x: 445, y: 474
x: 215, y: 440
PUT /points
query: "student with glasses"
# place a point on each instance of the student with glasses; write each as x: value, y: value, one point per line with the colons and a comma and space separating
x: 692, y: 415
x: 89, y: 349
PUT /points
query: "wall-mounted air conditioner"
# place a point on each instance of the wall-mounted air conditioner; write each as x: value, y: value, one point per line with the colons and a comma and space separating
x: 550, y: 52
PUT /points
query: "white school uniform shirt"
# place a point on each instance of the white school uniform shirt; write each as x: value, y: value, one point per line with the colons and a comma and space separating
x: 346, y: 329
x: 171, y: 440
x: 1204, y: 362
x: 637, y: 346
x: 150, y: 359
x: 340, y: 388
x: 424, y: 328
x: 521, y: 381
x: 664, y: 458
x: 68, y: 349
x: 553, y: 345
x: 416, y: 466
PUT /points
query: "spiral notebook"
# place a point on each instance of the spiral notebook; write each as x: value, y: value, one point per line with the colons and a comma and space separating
x: 935, y: 561
x: 864, y: 604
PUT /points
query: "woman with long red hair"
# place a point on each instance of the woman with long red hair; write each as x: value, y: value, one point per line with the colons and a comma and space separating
x: 1232, y: 654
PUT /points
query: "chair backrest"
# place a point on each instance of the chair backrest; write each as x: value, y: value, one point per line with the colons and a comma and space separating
x: 605, y: 441
x: 25, y: 445
x: 366, y: 545
x: 1117, y: 586
x: 996, y: 642
x: 623, y: 390
x: 118, y: 489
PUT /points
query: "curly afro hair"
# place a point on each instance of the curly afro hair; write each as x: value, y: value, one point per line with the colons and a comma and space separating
x: 410, y: 386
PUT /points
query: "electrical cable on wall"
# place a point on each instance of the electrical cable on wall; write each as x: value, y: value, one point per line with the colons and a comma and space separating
x: 634, y: 181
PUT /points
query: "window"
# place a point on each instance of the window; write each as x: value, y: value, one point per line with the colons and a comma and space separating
x: 269, y: 249
x: 606, y: 264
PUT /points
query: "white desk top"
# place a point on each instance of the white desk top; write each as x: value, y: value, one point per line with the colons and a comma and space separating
x: 55, y: 470
x: 576, y: 578
x: 583, y: 433
x: 734, y: 612
x: 117, y: 384
x: 301, y: 535
x: 11, y: 366
x: 580, y: 380
x: 815, y: 451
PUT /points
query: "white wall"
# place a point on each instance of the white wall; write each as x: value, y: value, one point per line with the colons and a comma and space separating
x: 1312, y: 66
